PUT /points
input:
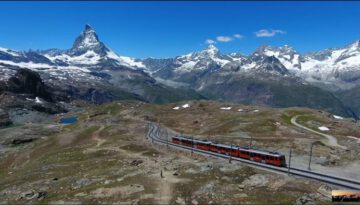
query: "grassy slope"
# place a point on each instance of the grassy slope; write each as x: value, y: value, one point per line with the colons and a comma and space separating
x: 276, y: 94
x: 107, y: 166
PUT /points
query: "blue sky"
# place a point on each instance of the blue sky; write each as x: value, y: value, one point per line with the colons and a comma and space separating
x: 167, y: 29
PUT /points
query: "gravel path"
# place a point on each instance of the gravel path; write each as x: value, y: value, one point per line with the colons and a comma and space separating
x: 331, y: 140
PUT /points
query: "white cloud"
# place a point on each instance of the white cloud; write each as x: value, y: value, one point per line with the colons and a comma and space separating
x: 224, y: 38
x: 268, y: 33
x: 210, y: 41
x: 238, y: 36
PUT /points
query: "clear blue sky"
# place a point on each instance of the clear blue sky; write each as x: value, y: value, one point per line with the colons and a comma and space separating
x: 166, y: 29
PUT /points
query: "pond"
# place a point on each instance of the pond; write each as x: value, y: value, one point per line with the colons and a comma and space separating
x: 68, y: 120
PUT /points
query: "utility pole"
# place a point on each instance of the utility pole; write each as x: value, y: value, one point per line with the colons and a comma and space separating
x: 230, y: 153
x: 154, y: 133
x: 250, y: 141
x: 311, y: 148
x: 167, y: 139
x: 289, y: 162
x: 192, y: 146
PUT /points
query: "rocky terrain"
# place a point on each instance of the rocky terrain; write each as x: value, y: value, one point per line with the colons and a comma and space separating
x: 105, y: 157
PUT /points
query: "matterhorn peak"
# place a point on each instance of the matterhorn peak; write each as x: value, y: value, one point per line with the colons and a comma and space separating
x: 88, y: 28
x: 88, y: 40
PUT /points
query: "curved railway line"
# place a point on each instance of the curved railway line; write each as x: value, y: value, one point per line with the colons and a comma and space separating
x: 157, y: 135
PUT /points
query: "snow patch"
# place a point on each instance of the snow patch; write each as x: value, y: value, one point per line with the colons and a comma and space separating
x: 186, y: 106
x: 176, y: 108
x: 123, y: 60
x: 88, y: 58
x: 338, y: 117
x: 29, y: 65
x: 38, y: 100
x: 323, y: 128
x: 8, y: 51
x: 225, y: 108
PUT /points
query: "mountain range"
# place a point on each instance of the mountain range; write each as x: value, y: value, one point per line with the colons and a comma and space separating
x: 270, y: 76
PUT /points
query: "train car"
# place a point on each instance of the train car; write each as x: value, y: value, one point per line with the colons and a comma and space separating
x: 202, y: 144
x: 244, y: 153
x: 190, y: 142
x: 183, y: 141
x: 225, y: 149
x: 263, y: 156
x: 176, y: 140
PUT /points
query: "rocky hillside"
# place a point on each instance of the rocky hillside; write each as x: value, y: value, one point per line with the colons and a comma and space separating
x: 27, y: 91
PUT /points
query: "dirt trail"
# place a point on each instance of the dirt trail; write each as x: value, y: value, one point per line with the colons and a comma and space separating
x: 166, y: 186
x: 331, y: 140
x: 164, y: 195
x: 96, y: 136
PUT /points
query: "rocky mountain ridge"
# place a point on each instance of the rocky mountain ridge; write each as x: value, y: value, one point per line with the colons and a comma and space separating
x: 270, y: 76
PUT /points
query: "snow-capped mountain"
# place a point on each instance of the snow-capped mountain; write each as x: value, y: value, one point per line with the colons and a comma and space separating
x: 88, y: 50
x: 339, y: 67
x: 87, y: 55
x: 331, y: 69
x: 263, y: 77
x: 89, y: 69
x: 290, y: 58
x: 209, y: 60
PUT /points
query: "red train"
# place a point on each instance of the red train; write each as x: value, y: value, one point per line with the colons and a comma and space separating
x: 272, y: 158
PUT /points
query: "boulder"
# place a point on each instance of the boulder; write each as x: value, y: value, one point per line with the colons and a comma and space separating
x: 304, y: 200
x: 136, y: 162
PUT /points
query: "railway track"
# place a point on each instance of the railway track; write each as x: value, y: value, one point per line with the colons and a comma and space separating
x: 156, y: 135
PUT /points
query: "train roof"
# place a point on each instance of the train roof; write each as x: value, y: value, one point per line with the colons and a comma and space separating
x: 257, y: 151
x: 194, y: 140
